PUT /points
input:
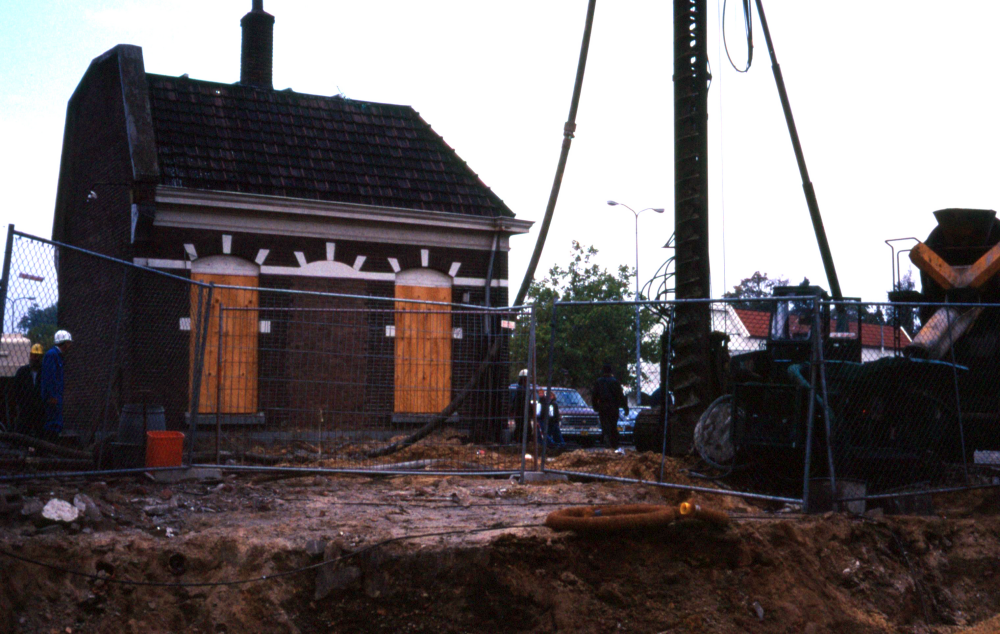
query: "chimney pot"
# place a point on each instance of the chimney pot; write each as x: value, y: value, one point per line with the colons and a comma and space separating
x: 258, y: 47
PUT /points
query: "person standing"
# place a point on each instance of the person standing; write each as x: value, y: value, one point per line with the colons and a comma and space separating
x: 517, y: 405
x: 608, y: 396
x: 26, y: 395
x: 549, y: 419
x: 53, y: 384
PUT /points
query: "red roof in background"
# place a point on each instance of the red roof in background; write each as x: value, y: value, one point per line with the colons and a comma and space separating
x: 757, y: 323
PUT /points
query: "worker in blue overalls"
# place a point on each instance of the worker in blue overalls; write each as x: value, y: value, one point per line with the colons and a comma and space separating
x: 53, y: 384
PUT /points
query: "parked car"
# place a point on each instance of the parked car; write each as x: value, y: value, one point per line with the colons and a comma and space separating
x: 579, y: 423
x: 626, y: 423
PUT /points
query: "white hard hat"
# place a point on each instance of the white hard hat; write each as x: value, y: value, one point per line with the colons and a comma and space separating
x: 523, y: 372
x: 62, y: 336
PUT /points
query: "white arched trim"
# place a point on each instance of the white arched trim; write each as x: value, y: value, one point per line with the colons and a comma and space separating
x: 328, y: 268
x: 428, y: 278
x: 225, y: 265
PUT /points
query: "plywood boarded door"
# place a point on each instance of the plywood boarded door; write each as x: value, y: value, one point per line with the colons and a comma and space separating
x: 423, y: 350
x: 229, y: 383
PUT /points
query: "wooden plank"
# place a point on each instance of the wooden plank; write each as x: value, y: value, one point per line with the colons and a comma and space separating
x: 238, y: 369
x: 932, y: 264
x: 423, y: 350
x: 983, y: 270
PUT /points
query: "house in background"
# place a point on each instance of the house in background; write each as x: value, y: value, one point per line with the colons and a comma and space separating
x: 244, y: 185
x: 877, y: 341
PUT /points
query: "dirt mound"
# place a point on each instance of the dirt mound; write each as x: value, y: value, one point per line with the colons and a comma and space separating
x: 830, y: 574
x: 764, y: 573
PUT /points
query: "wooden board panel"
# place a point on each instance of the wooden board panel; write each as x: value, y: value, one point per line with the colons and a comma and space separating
x: 423, y: 351
x: 236, y: 368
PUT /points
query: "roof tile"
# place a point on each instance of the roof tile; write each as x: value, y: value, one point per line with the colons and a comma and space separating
x: 237, y: 138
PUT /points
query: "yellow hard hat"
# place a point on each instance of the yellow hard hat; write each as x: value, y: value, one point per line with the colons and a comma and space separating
x: 37, y: 349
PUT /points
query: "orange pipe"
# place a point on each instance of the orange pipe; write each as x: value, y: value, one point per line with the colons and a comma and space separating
x: 694, y: 511
x: 610, y: 519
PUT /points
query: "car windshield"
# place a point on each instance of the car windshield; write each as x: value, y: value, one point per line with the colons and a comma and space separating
x: 570, y: 398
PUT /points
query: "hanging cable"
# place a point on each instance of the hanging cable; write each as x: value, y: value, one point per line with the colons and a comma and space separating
x: 568, y: 131
x: 747, y: 26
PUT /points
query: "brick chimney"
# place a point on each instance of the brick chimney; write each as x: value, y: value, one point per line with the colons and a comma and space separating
x: 258, y: 45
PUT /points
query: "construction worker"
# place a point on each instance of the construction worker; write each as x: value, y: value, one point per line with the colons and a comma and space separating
x: 53, y: 384
x: 607, y: 397
x: 26, y: 395
x: 517, y: 405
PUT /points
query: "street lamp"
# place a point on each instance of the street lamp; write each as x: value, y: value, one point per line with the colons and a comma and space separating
x: 638, y: 333
x: 13, y: 302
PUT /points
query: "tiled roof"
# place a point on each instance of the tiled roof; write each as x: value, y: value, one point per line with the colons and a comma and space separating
x: 757, y: 323
x: 236, y: 138
x: 875, y: 336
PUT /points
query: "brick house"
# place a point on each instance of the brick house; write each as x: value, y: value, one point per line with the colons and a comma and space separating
x: 249, y: 186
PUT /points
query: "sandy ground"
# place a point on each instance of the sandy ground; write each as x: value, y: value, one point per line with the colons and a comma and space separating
x: 769, y: 571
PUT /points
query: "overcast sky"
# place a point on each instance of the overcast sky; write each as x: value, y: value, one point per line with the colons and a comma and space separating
x: 895, y: 103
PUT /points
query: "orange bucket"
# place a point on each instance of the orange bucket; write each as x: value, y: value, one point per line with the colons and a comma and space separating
x: 164, y: 448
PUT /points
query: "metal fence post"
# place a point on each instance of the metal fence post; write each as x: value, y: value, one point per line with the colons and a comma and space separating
x: 666, y: 393
x: 552, y: 350
x: 203, y: 313
x: 5, y: 278
x: 218, y: 391
x: 826, y: 406
x: 526, y: 420
x: 534, y: 394
x: 811, y: 412
x: 958, y: 400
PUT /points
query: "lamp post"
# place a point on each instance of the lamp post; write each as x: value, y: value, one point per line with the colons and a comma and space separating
x: 638, y: 332
x: 13, y: 303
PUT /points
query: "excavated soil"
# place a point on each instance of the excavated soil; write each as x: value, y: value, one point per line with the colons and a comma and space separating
x: 766, y: 572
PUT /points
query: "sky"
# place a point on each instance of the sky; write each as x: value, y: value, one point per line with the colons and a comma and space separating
x: 894, y: 101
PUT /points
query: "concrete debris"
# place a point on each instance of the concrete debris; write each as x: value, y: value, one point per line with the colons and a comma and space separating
x: 57, y: 510
x: 31, y: 507
x: 160, y: 509
x: 462, y: 497
x: 87, y: 507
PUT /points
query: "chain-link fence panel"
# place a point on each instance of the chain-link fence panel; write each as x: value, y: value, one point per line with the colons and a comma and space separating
x: 97, y: 362
x: 598, y: 365
x: 813, y: 401
x: 920, y: 415
x: 316, y: 380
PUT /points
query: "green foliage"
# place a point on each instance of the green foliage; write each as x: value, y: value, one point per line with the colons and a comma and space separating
x: 756, y: 286
x: 586, y: 336
x: 40, y: 324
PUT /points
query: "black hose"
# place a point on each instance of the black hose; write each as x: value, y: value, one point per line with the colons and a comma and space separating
x: 568, y: 131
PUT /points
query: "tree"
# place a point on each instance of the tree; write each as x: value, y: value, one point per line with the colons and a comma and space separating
x: 586, y: 336
x: 906, y: 317
x: 40, y: 324
x: 757, y: 286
